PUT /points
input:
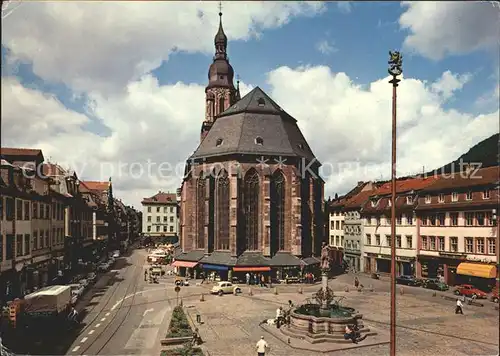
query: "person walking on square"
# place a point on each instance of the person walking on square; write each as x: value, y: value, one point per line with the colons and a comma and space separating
x: 356, y: 282
x: 247, y: 276
x: 261, y: 347
x: 458, y: 308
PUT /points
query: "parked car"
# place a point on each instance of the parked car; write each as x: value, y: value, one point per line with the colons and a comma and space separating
x: 435, y: 284
x: 103, y: 267
x: 225, y: 288
x: 76, y: 290
x: 469, y: 291
x: 407, y: 280
x: 91, y: 277
x: 494, y: 295
x: 84, y: 283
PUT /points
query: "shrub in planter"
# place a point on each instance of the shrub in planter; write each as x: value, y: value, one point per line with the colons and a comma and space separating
x: 179, y: 325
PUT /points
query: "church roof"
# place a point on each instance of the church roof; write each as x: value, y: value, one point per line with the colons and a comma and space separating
x: 254, y: 125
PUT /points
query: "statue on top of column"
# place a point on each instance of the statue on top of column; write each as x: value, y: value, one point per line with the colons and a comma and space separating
x: 325, y: 256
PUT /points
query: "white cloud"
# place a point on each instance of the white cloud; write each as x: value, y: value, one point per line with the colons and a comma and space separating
x: 449, y: 83
x: 157, y: 127
x: 441, y: 28
x: 351, y: 126
x: 326, y: 47
x: 103, y: 45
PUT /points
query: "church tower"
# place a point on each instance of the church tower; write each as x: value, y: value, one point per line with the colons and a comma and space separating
x: 220, y: 91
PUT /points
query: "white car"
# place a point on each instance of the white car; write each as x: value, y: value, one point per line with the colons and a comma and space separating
x: 84, y: 283
x: 76, y: 290
x: 225, y: 288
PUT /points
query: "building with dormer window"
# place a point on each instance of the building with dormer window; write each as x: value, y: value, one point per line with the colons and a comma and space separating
x: 458, y: 229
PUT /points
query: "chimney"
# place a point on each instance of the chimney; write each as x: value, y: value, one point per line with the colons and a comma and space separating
x: 360, y: 183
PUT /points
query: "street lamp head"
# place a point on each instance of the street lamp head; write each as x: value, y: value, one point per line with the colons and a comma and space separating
x: 395, y: 63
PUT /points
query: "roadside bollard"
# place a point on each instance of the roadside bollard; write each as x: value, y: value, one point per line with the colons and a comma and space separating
x: 346, y: 289
x: 202, y: 297
x: 360, y: 289
x: 401, y: 291
x: 181, y: 303
x: 250, y: 292
x: 434, y: 294
x: 300, y: 290
x: 275, y: 291
x: 198, y: 318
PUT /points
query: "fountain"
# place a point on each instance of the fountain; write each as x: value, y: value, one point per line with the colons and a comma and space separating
x: 325, y: 320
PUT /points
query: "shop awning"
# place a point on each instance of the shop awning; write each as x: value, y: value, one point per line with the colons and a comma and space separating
x: 251, y: 269
x: 477, y: 270
x: 184, y: 264
x: 215, y: 267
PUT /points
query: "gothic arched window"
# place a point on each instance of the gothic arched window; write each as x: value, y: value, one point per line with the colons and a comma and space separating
x: 200, y: 213
x: 221, y: 104
x: 251, y: 198
x: 222, y: 211
x: 277, y: 212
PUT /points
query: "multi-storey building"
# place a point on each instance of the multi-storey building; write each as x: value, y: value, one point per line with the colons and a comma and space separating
x: 354, y: 227
x: 376, y: 214
x: 458, y: 234
x: 26, y: 224
x: 160, y: 215
x: 336, y: 222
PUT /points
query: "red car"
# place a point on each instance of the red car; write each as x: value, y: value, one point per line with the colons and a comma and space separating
x: 470, y: 291
x: 494, y: 295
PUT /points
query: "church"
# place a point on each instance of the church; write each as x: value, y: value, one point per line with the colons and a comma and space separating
x: 251, y: 198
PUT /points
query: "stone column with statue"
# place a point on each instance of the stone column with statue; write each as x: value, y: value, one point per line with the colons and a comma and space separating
x: 325, y: 295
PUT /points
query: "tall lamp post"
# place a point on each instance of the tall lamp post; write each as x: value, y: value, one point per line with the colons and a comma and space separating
x: 395, y: 70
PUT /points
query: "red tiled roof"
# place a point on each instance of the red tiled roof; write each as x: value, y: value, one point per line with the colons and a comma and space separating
x: 406, y: 185
x: 8, y: 151
x: 484, y: 176
x: 358, y: 200
x: 161, y: 198
x: 99, y: 186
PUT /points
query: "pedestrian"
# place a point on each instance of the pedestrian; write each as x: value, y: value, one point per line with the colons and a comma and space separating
x: 356, y: 282
x: 279, y: 316
x: 458, y: 308
x: 290, y: 304
x: 262, y: 281
x: 145, y: 275
x: 261, y: 347
x: 247, y: 276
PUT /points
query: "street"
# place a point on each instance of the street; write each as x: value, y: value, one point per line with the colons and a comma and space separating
x: 129, y: 316
x: 122, y: 317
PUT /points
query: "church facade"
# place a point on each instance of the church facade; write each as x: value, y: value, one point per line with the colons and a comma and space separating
x: 252, y: 198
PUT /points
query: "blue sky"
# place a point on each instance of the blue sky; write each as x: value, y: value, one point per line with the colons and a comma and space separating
x: 76, y: 67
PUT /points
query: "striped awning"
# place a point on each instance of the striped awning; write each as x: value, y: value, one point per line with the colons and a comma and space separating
x: 477, y: 270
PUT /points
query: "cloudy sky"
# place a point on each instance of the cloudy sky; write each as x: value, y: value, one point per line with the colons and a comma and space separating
x: 113, y: 89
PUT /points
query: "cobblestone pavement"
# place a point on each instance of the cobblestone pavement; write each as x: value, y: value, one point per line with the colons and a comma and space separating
x: 427, y: 325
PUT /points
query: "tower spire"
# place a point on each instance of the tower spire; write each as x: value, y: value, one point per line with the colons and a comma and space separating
x: 237, y: 95
x: 220, y: 40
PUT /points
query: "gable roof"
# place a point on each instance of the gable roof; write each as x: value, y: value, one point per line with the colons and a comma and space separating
x: 98, y: 186
x: 481, y: 177
x: 406, y: 185
x: 256, y: 115
x: 161, y: 198
x: 8, y: 151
